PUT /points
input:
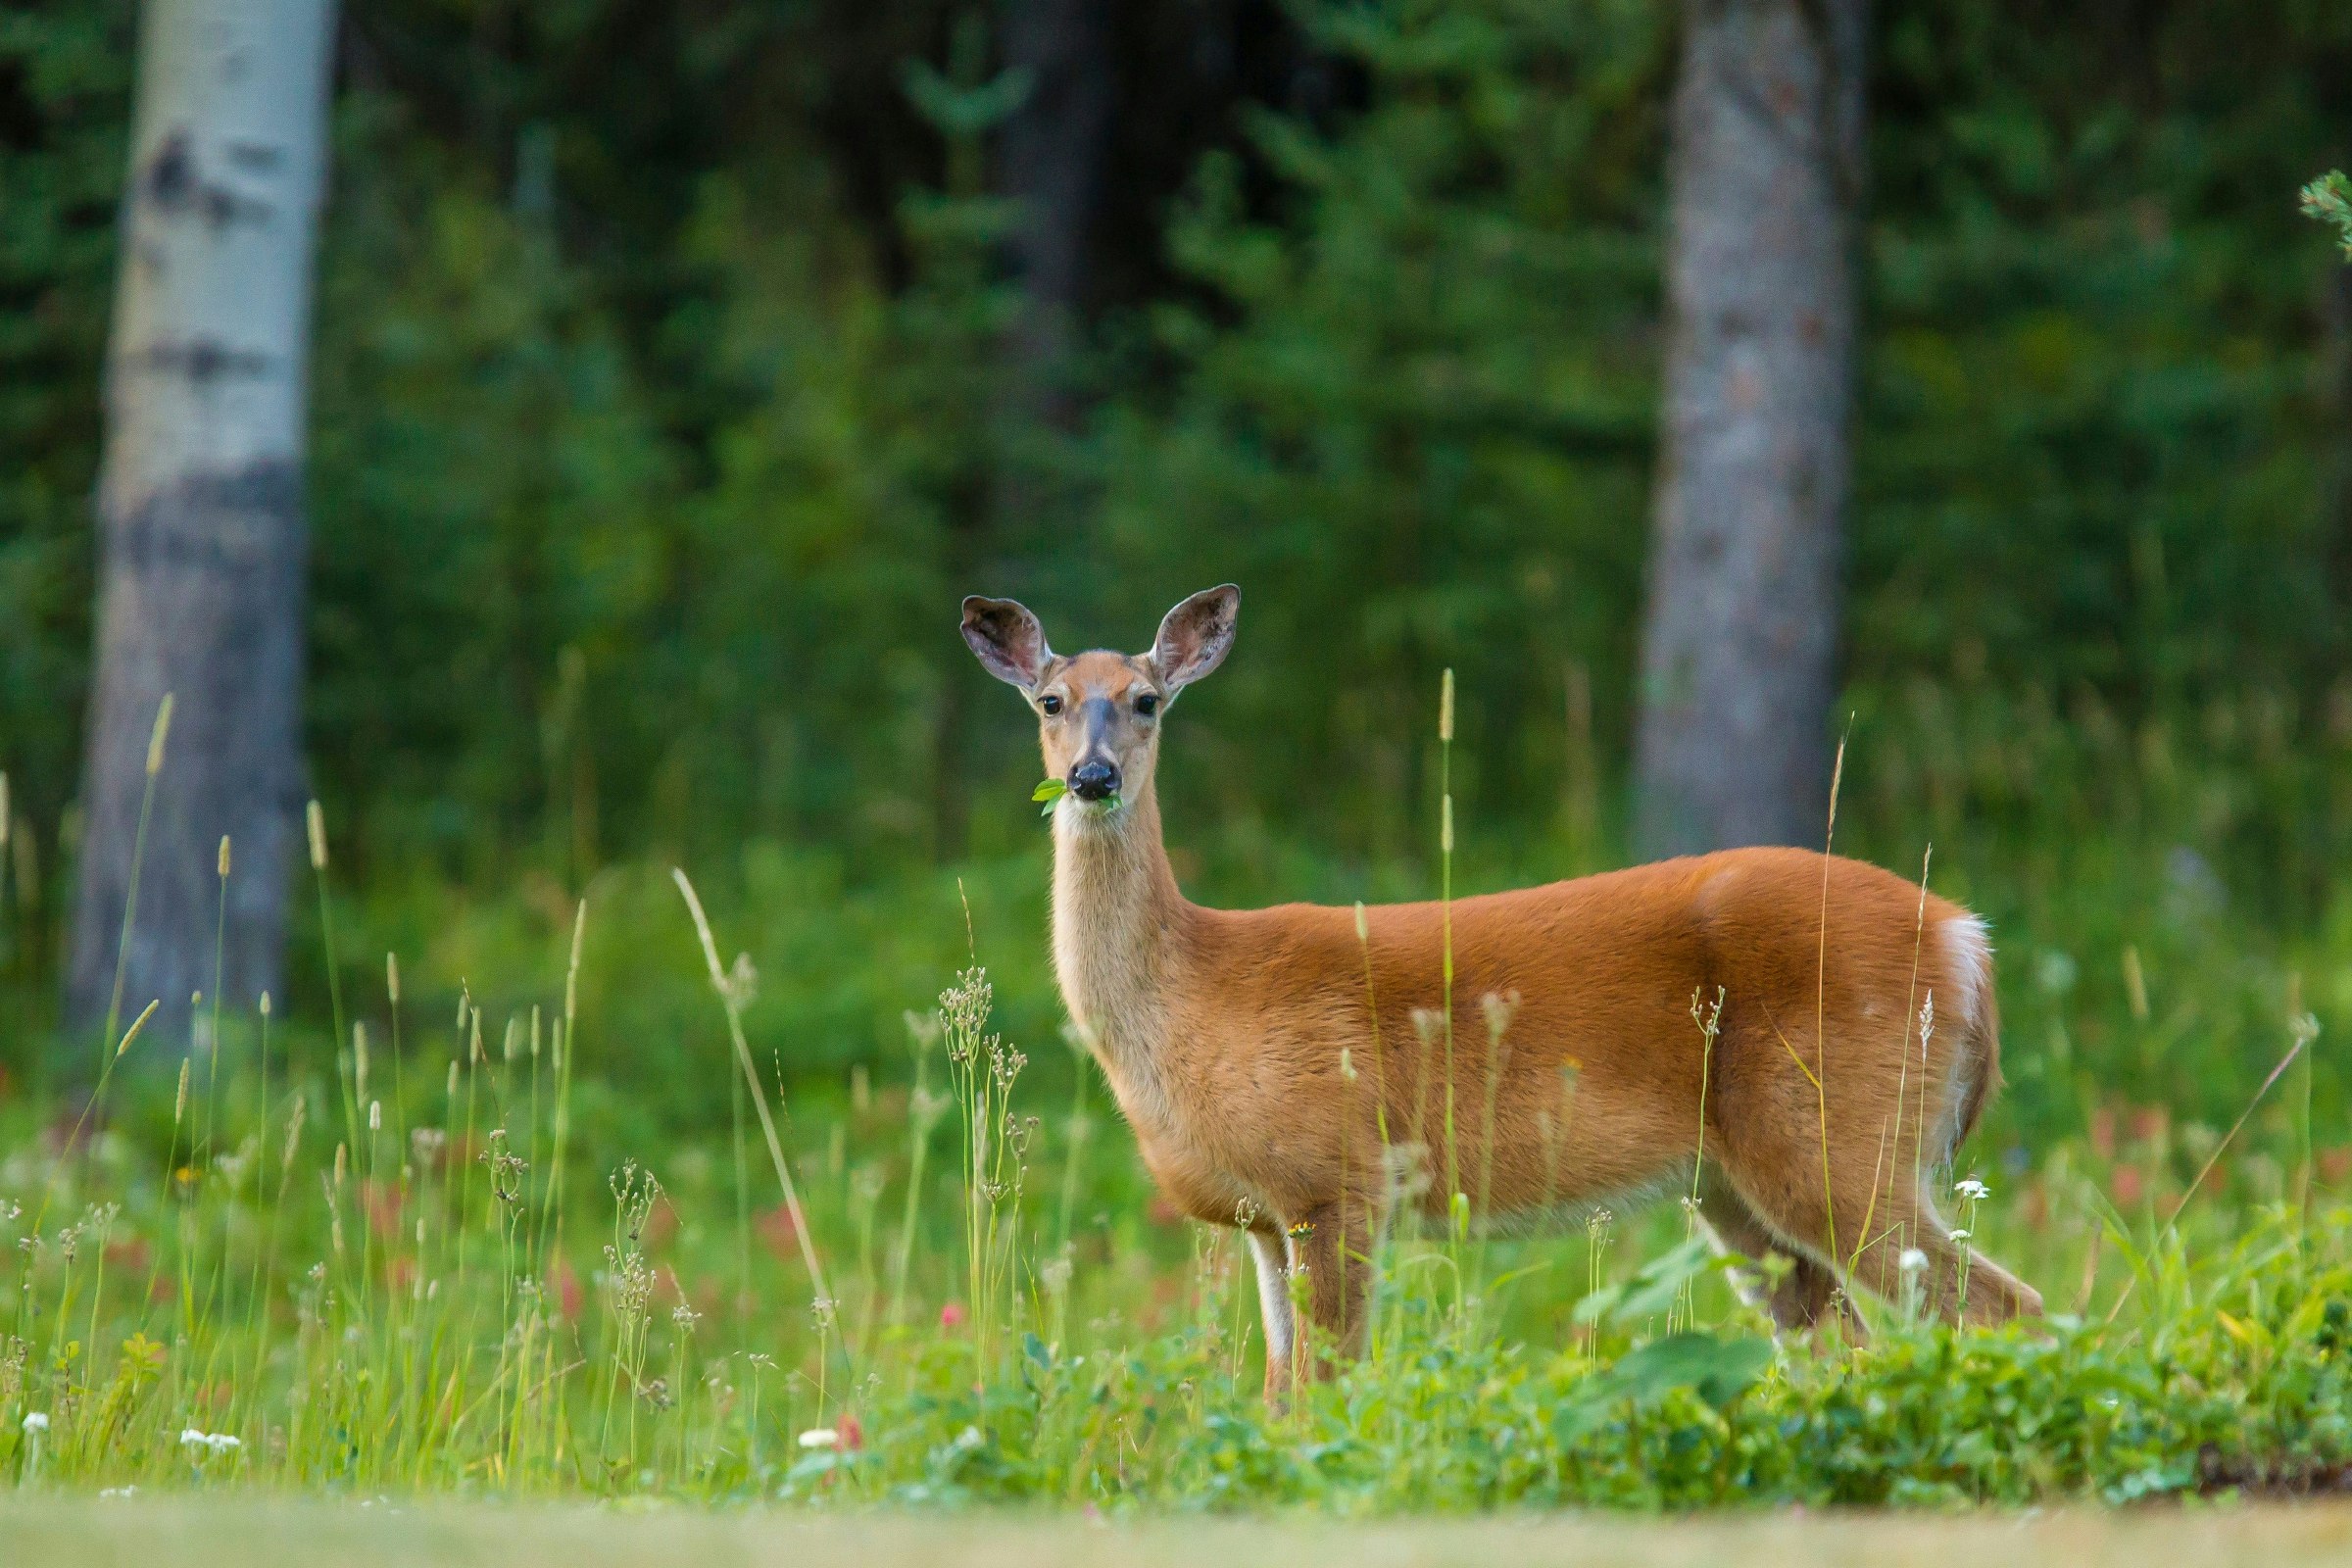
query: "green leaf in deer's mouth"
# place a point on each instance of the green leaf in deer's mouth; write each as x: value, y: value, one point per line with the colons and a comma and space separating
x: 1049, y: 791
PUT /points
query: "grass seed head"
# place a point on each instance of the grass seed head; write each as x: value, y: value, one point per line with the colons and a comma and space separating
x: 294, y: 1120
x: 138, y: 1024
x: 156, y: 736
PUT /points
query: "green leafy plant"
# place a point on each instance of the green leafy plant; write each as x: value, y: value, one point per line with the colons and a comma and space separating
x: 2328, y: 200
x: 1051, y: 791
x: 1716, y: 1368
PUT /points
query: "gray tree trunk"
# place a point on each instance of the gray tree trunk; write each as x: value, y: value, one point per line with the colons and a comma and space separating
x: 201, y: 544
x: 1738, y: 654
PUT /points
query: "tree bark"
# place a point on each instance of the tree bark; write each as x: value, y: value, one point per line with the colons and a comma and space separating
x: 202, y: 539
x: 1737, y: 662
x: 1050, y: 160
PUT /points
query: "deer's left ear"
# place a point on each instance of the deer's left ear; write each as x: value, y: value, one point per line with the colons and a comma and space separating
x: 1196, y: 636
x: 1009, y: 640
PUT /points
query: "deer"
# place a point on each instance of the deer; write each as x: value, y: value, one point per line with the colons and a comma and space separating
x: 1802, y: 1039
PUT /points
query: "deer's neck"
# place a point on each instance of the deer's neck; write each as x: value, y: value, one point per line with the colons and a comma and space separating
x: 1119, y: 928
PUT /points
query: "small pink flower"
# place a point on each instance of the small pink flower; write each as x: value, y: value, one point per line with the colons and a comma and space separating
x: 776, y: 1229
x: 851, y: 1434
x: 566, y: 1285
x: 951, y: 1316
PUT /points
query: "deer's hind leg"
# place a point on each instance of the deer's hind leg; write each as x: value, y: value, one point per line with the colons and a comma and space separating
x: 1862, y: 1222
x: 1803, y: 1296
x: 1832, y: 1156
x: 1956, y: 1286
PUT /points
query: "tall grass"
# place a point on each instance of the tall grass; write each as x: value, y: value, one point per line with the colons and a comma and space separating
x: 421, y: 1318
x: 474, y: 1284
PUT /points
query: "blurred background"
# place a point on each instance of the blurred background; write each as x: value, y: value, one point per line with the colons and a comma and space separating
x: 674, y: 368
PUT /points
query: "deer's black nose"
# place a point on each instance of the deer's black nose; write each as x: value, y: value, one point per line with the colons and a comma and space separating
x: 1094, y: 781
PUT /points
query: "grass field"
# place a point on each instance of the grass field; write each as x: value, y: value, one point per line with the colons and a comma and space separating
x: 102, y: 1534
x: 407, y: 1273
x: 419, y: 1254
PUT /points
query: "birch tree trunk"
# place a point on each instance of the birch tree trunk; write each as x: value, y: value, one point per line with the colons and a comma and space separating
x: 1738, y: 652
x: 202, y: 545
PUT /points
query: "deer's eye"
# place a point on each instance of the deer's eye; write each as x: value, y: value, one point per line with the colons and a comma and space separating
x: 1051, y: 705
x: 1147, y: 704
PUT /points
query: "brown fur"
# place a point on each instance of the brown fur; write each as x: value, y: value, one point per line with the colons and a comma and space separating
x: 1222, y: 1034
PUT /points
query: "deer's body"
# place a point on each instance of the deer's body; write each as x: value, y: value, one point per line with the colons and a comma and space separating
x: 1266, y: 1058
x: 1220, y: 1030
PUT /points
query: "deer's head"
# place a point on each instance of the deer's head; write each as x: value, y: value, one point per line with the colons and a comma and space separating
x: 1098, y: 713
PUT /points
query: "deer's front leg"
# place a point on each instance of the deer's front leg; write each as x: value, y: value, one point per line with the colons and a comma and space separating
x: 1331, y: 1246
x: 1275, y: 1311
x: 1327, y: 1250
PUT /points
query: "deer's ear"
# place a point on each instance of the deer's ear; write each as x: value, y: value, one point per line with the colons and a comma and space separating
x: 1196, y: 636
x: 1007, y: 637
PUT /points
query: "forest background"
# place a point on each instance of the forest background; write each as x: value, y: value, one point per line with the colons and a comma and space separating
x: 673, y: 382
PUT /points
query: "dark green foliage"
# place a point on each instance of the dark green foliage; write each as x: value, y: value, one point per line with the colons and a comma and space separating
x: 1424, y: 439
x: 662, y: 417
x: 65, y: 103
x: 2098, y: 422
x: 2328, y: 199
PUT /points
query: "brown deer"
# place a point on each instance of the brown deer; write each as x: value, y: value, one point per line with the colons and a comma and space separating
x: 1280, y: 1065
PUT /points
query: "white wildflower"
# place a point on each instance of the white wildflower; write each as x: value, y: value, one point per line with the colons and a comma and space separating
x: 820, y: 1438
x: 1959, y: 1236
x: 1912, y: 1260
x: 36, y: 1421
x: 210, y: 1442
x: 1970, y: 1187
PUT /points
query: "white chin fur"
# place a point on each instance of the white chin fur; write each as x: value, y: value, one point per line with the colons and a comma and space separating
x: 1085, y: 815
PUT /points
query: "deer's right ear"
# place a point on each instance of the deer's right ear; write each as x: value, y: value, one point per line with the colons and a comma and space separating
x: 1007, y: 639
